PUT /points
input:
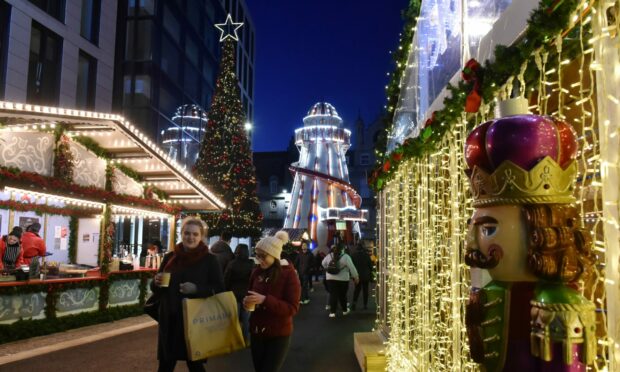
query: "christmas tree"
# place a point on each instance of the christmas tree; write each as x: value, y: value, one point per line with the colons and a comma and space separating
x: 225, y: 160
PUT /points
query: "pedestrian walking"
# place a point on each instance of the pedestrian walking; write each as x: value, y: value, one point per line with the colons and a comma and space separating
x: 273, y: 299
x: 364, y: 267
x: 221, y: 249
x: 303, y: 264
x: 189, y: 271
x: 339, y: 271
x: 237, y: 280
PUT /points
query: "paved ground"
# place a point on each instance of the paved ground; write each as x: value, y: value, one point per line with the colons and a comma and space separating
x: 319, y: 344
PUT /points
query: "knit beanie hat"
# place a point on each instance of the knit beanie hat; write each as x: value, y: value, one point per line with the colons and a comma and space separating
x: 272, y: 245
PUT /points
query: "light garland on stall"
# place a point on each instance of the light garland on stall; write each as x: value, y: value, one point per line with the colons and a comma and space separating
x: 128, y: 211
x: 53, y: 198
x: 138, y: 138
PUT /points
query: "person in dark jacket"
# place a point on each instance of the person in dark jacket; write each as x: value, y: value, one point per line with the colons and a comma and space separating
x: 364, y: 266
x: 273, y: 299
x: 303, y: 264
x: 221, y: 249
x: 194, y: 273
x: 237, y: 279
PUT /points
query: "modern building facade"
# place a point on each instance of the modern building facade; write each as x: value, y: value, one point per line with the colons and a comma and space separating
x: 58, y: 53
x: 167, y: 56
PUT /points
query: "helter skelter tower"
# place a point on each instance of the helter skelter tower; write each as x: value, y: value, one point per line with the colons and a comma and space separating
x: 322, y: 200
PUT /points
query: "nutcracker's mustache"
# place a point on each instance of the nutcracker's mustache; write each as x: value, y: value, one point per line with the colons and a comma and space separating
x: 475, y: 258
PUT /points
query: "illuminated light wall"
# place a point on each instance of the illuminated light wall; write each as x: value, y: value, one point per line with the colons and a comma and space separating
x: 322, y: 144
x: 423, y: 210
x: 607, y: 72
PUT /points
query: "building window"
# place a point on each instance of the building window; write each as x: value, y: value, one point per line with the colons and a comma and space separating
x: 91, y: 12
x: 55, y: 8
x: 138, y: 46
x: 44, y: 66
x: 172, y: 25
x: 364, y: 159
x: 141, y: 7
x: 273, y: 185
x: 142, y: 90
x: 86, y: 82
x: 170, y: 56
x: 5, y: 11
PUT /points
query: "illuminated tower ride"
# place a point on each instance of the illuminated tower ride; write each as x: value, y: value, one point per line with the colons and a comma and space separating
x: 322, y: 200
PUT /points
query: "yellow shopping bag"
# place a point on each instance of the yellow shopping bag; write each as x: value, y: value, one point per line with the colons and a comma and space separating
x: 211, y: 326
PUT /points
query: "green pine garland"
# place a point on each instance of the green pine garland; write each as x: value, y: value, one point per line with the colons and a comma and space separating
x: 392, y: 90
x: 544, y: 25
x: 73, y: 232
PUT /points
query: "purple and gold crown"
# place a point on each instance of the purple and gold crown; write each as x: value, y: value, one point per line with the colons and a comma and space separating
x: 522, y: 159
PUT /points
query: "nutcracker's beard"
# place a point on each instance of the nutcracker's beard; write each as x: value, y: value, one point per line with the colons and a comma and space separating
x: 475, y: 258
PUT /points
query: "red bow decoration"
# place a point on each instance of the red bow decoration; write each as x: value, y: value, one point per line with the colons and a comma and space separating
x: 386, y: 165
x: 470, y: 74
x: 430, y: 120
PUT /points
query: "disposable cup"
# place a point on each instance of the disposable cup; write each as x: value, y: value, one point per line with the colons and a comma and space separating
x: 250, y: 307
x: 165, y: 280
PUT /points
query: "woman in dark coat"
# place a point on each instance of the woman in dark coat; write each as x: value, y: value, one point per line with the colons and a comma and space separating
x: 237, y: 279
x: 194, y: 273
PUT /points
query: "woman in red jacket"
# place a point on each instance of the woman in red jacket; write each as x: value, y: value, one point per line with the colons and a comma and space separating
x: 11, y: 253
x: 273, y: 299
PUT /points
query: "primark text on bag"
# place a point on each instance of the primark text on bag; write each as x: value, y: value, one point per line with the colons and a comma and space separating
x: 211, y: 326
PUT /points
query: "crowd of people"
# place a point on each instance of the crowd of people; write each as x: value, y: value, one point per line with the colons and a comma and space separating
x: 269, y: 289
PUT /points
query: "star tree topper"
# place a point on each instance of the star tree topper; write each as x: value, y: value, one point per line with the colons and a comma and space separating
x: 229, y: 29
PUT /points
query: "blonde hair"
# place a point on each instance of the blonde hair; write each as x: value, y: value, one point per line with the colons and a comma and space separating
x: 195, y: 221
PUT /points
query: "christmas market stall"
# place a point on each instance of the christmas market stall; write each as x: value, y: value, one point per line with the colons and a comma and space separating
x: 498, y: 189
x: 100, y: 192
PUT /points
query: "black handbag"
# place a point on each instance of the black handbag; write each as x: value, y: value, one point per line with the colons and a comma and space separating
x: 151, y: 306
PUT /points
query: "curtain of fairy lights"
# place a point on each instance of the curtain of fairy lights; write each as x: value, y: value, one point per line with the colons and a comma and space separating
x: 425, y: 206
x: 425, y: 219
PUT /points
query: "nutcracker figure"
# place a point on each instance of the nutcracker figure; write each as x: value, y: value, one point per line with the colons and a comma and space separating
x: 525, y: 231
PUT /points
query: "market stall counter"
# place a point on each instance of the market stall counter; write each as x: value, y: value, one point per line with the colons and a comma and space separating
x: 36, y: 307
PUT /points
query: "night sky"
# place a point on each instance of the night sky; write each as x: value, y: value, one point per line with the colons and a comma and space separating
x: 320, y: 50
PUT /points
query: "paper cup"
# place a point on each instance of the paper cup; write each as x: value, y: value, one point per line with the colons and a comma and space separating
x: 250, y: 307
x: 165, y: 280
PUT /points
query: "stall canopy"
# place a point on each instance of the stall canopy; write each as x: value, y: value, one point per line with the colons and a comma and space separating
x: 123, y: 144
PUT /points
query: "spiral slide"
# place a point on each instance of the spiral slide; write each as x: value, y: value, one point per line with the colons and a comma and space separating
x: 337, y: 182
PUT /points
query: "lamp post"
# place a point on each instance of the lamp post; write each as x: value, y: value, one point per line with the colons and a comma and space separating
x: 248, y: 129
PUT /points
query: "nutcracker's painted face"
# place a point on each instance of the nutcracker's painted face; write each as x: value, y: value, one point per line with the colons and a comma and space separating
x: 497, y: 241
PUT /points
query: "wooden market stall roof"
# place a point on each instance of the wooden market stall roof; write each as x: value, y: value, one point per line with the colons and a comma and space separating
x: 124, y: 144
